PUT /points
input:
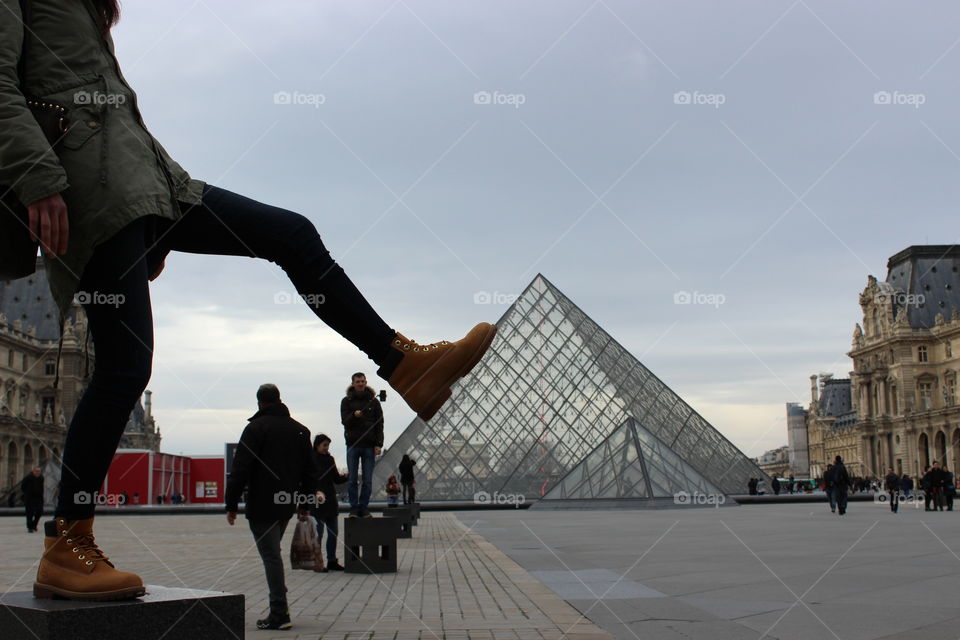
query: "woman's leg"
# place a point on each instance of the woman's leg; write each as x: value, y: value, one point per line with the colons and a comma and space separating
x: 230, y: 224
x: 332, y: 525
x: 115, y: 295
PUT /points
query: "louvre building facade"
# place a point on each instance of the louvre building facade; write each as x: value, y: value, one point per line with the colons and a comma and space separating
x: 558, y: 409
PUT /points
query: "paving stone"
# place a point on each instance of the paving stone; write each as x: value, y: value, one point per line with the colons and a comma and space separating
x: 450, y: 582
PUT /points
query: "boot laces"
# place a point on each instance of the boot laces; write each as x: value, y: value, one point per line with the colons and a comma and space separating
x: 413, y: 345
x: 87, y: 547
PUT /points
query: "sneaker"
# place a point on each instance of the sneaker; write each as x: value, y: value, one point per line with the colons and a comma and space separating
x: 364, y: 513
x: 354, y: 513
x: 275, y: 621
x: 333, y: 565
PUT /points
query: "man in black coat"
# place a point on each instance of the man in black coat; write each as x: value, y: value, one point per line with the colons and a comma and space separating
x: 327, y: 513
x: 274, y: 463
x: 936, y: 480
x: 407, y: 480
x: 362, y: 419
x: 841, y: 484
x: 892, y: 484
x: 925, y: 488
x: 32, y: 488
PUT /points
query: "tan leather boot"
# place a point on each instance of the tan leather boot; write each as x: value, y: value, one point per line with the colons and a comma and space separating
x: 73, y: 567
x: 424, y: 375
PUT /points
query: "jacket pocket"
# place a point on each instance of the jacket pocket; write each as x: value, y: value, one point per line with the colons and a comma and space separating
x: 83, y: 126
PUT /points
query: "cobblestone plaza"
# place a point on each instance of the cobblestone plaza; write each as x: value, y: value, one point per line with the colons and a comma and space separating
x: 785, y: 571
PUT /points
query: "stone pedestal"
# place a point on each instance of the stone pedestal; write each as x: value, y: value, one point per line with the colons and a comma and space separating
x: 370, y: 545
x: 404, y: 514
x: 167, y: 613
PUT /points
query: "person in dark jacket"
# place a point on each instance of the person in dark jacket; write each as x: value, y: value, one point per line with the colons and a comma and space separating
x: 32, y: 488
x: 828, y: 488
x: 327, y: 512
x: 406, y: 479
x: 949, y: 488
x: 775, y: 485
x: 274, y: 463
x: 906, y: 486
x: 841, y: 484
x: 935, y: 480
x: 892, y: 484
x: 925, y: 488
x: 362, y: 419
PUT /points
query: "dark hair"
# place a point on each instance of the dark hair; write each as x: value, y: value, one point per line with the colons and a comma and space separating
x: 358, y: 374
x: 109, y: 13
x: 319, y: 439
x: 268, y: 394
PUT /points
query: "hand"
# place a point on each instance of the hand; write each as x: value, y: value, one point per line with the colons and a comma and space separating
x: 321, y: 498
x: 156, y: 273
x: 231, y: 517
x: 49, y: 224
x: 358, y: 413
x: 376, y: 451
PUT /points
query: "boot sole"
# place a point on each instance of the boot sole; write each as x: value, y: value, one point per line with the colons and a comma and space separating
x: 434, y: 404
x: 48, y: 592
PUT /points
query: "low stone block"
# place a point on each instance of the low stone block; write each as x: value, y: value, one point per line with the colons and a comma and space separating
x: 164, y: 612
x: 370, y: 545
x: 404, y: 514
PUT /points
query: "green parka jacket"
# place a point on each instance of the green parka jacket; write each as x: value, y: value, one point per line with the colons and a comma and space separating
x: 109, y: 169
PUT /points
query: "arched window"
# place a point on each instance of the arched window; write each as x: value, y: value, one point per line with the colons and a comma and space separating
x: 13, y: 463
x: 923, y: 451
x: 27, y: 459
x: 940, y: 446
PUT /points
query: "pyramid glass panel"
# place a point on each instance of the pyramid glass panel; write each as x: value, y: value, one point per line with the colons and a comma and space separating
x: 530, y: 419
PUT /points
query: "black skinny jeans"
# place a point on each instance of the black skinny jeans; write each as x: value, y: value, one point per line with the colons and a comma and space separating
x: 122, y: 327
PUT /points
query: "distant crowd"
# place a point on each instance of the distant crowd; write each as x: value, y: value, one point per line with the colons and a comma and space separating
x: 936, y: 486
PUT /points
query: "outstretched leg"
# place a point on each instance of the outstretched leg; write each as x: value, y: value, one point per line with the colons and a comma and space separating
x: 229, y: 224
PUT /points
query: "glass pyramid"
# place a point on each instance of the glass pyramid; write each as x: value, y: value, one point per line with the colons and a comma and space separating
x: 552, y: 386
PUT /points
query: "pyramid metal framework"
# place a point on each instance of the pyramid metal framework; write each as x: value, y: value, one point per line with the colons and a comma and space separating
x: 551, y: 388
x: 631, y: 463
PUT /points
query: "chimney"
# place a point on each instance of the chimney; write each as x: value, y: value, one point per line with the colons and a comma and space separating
x: 147, y: 407
x: 813, y: 388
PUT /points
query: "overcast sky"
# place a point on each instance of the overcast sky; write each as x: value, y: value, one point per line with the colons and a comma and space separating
x: 627, y: 150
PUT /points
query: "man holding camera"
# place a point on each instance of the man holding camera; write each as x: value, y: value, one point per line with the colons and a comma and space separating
x: 274, y: 463
x: 362, y: 418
